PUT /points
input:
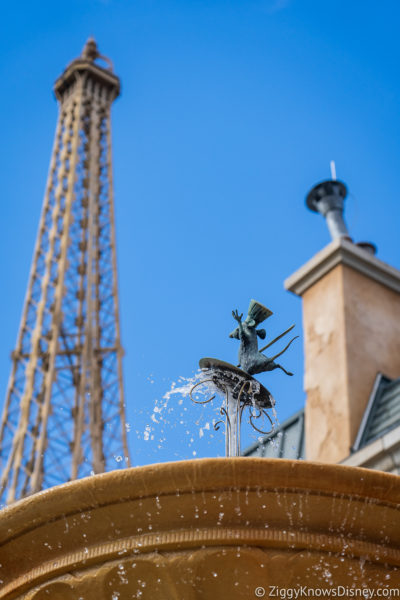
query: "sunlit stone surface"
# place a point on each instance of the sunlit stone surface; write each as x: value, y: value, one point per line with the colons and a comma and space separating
x: 203, y: 529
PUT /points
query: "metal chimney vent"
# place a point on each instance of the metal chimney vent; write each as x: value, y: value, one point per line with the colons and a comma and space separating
x: 327, y: 198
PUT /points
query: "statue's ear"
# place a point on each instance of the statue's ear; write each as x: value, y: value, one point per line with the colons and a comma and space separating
x: 235, y: 334
x: 261, y: 333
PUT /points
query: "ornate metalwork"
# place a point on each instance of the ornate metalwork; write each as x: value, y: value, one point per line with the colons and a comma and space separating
x: 240, y: 389
x: 64, y: 410
x: 240, y: 392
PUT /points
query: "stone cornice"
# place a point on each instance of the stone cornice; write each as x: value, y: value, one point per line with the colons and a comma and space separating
x: 342, y: 252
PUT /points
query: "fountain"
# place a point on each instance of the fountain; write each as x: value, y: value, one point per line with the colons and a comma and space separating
x: 227, y: 528
x: 236, y: 383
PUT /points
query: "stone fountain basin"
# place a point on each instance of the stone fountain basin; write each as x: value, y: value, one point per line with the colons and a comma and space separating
x: 207, y: 528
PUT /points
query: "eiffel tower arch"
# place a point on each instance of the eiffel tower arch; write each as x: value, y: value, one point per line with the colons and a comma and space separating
x: 64, y: 414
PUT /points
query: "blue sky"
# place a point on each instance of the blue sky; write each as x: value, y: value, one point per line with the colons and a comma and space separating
x: 230, y: 111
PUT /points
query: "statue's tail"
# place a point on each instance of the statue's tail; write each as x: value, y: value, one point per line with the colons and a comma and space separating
x: 284, y: 350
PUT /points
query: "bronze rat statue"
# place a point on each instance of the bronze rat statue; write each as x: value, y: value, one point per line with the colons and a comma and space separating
x: 251, y: 360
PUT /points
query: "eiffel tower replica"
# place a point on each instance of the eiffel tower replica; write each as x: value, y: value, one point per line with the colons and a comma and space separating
x: 64, y: 411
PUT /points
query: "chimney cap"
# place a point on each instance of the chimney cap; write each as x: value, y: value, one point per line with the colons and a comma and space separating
x: 330, y: 187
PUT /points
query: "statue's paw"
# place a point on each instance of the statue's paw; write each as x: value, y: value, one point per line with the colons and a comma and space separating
x: 236, y: 316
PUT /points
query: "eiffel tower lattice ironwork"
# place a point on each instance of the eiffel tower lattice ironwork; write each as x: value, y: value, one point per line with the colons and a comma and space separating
x: 64, y: 412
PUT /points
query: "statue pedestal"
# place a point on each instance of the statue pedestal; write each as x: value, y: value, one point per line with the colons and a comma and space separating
x: 210, y: 528
x: 241, y: 391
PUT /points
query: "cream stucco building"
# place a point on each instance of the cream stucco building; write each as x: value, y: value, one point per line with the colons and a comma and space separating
x: 351, y: 330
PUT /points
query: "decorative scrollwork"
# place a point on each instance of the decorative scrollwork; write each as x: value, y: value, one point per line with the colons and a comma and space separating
x: 240, y: 393
x: 262, y: 411
x: 197, y: 385
x: 217, y: 424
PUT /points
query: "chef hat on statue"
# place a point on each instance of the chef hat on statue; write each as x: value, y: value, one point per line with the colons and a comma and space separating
x: 257, y: 313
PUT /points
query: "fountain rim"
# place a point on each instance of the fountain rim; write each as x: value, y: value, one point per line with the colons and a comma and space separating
x: 188, y: 476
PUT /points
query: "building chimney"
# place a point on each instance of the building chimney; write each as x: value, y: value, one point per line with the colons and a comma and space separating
x: 351, y: 320
x: 327, y: 198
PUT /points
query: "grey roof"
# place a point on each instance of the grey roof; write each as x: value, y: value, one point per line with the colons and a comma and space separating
x: 286, y: 441
x: 382, y: 413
